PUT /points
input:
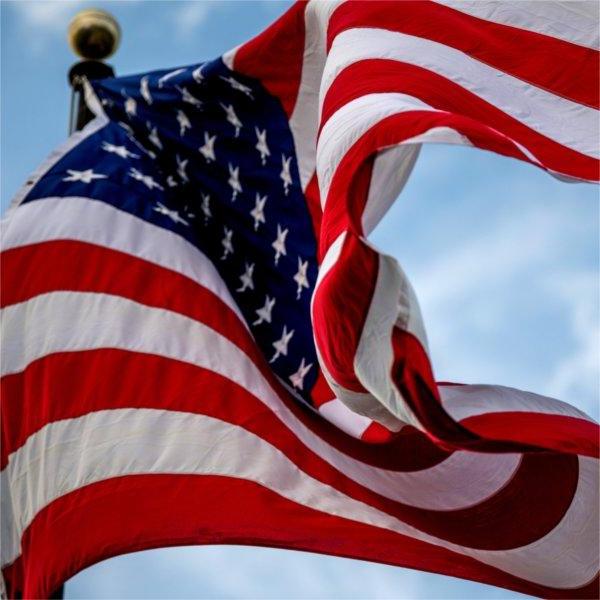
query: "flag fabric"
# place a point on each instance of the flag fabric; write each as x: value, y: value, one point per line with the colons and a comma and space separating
x: 200, y: 345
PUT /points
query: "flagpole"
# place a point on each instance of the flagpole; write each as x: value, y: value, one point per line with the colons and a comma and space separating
x: 93, y: 35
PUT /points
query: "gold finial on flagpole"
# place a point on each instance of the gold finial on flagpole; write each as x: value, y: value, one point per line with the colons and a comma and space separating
x: 94, y: 34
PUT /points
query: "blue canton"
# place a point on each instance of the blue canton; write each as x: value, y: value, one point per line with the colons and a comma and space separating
x: 208, y: 154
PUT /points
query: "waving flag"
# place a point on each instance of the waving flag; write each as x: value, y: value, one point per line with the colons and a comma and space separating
x: 201, y: 346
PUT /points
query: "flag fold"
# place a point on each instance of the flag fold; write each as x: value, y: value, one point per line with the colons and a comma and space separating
x: 200, y: 344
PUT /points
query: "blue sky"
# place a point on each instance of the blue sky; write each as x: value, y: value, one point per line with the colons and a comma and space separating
x: 504, y: 259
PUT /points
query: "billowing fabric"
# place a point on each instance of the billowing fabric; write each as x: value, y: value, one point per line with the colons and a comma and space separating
x: 201, y: 346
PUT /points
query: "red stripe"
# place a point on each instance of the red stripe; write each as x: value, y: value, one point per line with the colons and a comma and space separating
x: 492, y: 432
x: 122, y: 271
x: 378, y: 75
x: 137, y: 513
x: 391, y: 131
x: 340, y: 306
x: 48, y: 392
x: 378, y: 434
x: 45, y: 267
x: 71, y: 265
x: 419, y: 389
x: 321, y: 392
x: 313, y: 203
x: 346, y: 210
x: 411, y: 374
x: 565, y: 69
x: 555, y: 432
x: 275, y: 56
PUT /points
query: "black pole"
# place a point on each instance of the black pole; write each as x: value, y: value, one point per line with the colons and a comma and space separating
x: 80, y: 115
x: 93, y: 35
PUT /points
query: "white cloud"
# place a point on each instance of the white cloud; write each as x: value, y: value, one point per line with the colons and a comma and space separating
x: 189, y: 16
x: 44, y: 24
x: 576, y: 377
x: 47, y: 16
x: 506, y: 271
x: 242, y: 572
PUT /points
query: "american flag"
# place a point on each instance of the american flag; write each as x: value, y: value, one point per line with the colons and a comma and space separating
x: 200, y: 345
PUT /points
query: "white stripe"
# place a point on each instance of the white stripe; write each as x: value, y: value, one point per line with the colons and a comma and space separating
x: 575, y: 22
x: 10, y: 521
x: 336, y: 412
x: 567, y: 557
x: 347, y: 125
x: 74, y: 321
x: 331, y: 257
x: 93, y: 103
x: 304, y: 120
x: 107, y: 444
x: 394, y: 303
x: 350, y: 123
x: 568, y: 123
x: 441, y: 135
x: 96, y: 222
x: 390, y: 172
x: 463, y: 401
x: 364, y: 405
x: 361, y: 404
x: 447, y: 135
x: 329, y: 260
x: 229, y: 57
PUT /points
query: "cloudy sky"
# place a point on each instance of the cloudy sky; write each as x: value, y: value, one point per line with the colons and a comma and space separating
x: 503, y: 257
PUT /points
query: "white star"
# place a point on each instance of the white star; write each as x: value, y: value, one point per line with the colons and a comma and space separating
x: 131, y: 136
x: 208, y: 150
x: 188, y: 213
x: 172, y: 214
x: 297, y: 378
x: 236, y: 85
x: 118, y: 150
x: 232, y: 118
x: 168, y: 76
x: 234, y: 181
x: 145, y: 90
x: 246, y: 278
x: 86, y: 176
x: 151, y: 154
x: 206, y: 207
x: 261, y: 144
x: 258, y: 212
x: 189, y: 98
x: 126, y: 127
x: 226, y: 243
x: 300, y: 277
x: 153, y: 136
x: 264, y: 313
x: 145, y: 179
x: 171, y: 181
x: 281, y: 345
x: 184, y: 122
x: 198, y: 75
x: 285, y: 174
x: 181, y: 167
x: 279, y: 244
x: 130, y: 105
